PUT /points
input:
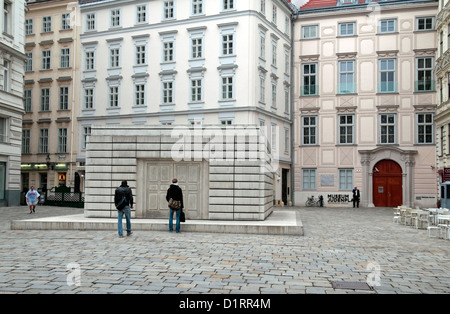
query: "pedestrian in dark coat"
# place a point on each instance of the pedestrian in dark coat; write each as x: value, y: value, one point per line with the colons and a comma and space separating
x: 175, y: 193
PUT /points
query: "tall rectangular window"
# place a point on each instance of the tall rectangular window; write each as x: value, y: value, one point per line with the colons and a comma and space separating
x: 228, y: 5
x: 43, y: 141
x: 387, y: 128
x: 45, y: 99
x: 139, y: 95
x: 141, y: 14
x: 309, y: 87
x: 345, y: 179
x: 167, y: 92
x: 309, y: 128
x: 65, y: 21
x: 46, y: 24
x: 89, y: 60
x: 309, y: 179
x: 387, y: 76
x: 346, y: 129
x: 46, y: 59
x: 64, y: 98
x: 169, y: 9
x: 168, y: 51
x: 90, y: 22
x: 27, y: 100
x: 197, y: 48
x: 197, y: 7
x: 65, y: 58
x: 424, y: 74
x: 114, y: 57
x: 26, y: 141
x: 227, y: 44
x: 29, y: 62
x: 62, y: 140
x: 3, y: 130
x: 29, y: 27
x: 141, y: 54
x: 114, y: 96
x: 425, y: 128
x: 196, y: 90
x: 89, y: 98
x: 227, y: 88
x: 115, y: 18
x: 346, y: 77
x: 86, y: 133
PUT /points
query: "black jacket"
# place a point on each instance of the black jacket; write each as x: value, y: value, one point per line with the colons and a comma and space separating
x: 123, y: 191
x: 174, y: 192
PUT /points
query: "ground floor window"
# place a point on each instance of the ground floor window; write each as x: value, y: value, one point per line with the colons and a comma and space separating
x: 2, y: 180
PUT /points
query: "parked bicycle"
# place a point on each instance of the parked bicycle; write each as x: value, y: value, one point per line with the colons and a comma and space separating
x: 311, y: 201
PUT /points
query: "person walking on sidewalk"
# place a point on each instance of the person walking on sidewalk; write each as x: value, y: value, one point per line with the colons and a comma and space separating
x: 123, y: 199
x: 32, y: 199
x: 176, y: 194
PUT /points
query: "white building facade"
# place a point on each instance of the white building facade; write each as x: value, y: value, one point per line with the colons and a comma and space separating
x: 193, y: 63
x: 12, y: 60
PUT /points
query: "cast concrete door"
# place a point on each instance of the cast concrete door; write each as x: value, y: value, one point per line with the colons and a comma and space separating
x: 158, y: 177
x: 387, y: 184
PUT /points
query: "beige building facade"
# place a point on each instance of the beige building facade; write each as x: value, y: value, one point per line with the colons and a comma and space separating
x: 443, y: 88
x: 365, y: 102
x: 49, y: 134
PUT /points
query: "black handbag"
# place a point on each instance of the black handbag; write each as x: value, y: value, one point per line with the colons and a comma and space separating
x: 182, y: 216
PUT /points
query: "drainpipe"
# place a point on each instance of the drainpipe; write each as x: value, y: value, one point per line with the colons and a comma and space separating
x: 292, y: 113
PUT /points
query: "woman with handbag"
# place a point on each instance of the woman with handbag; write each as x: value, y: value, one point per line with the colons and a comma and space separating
x: 175, y: 198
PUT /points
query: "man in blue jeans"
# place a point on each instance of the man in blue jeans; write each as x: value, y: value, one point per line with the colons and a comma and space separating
x: 174, y: 192
x: 124, y: 191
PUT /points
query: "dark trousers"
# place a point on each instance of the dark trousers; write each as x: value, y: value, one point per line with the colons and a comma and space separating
x: 355, y: 201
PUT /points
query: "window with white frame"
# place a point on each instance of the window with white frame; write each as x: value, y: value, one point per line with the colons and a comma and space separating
x: 274, y: 138
x: 346, y: 129
x: 168, y: 51
x: 87, y: 130
x: 65, y: 21
x: 274, y: 14
x: 425, y: 23
x: 29, y: 62
x: 169, y: 9
x: 46, y: 59
x: 196, y: 90
x: 45, y: 99
x: 141, y: 54
x: 115, y: 18
x: 387, y: 26
x: 424, y: 73
x: 46, y: 24
x: 262, y: 6
x: 62, y: 140
x: 167, y: 92
x: 89, y: 98
x: 141, y: 14
x: 387, y: 128
x: 227, y: 88
x: 387, y: 76
x: 274, y: 53
x: 346, y: 77
x: 262, y: 89
x: 27, y: 100
x: 90, y: 22
x: 425, y: 128
x: 6, y: 75
x: 7, y: 17
x: 309, y: 179
x: 262, y: 45
x: 43, y: 141
x: 26, y: 141
x: 197, y: 48
x: 114, y: 96
x: 89, y: 60
x: 345, y: 179
x: 228, y: 44
x: 286, y: 100
x: 228, y: 5
x: 274, y: 95
x: 114, y: 57
x: 139, y: 92
x: 29, y: 27
x: 347, y: 29
x: 197, y: 7
x: 287, y: 141
x: 64, y: 98
x: 309, y: 74
x: 310, y: 32
x: 65, y: 58
x: 309, y: 130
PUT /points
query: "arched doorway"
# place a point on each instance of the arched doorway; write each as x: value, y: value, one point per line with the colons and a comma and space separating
x: 387, y: 184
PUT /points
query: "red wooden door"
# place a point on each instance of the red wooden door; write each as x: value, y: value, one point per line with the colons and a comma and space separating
x: 387, y: 184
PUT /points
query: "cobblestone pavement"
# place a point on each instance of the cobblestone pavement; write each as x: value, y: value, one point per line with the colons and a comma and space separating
x: 340, y: 244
